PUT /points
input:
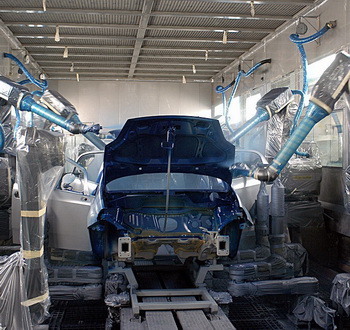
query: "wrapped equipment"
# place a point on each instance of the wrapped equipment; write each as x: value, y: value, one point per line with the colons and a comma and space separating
x: 13, y: 314
x: 278, y: 130
x: 302, y: 176
x: 340, y: 294
x: 40, y: 161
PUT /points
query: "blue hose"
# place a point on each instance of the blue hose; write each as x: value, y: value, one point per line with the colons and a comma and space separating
x: 24, y: 82
x: 316, y: 114
x: 234, y: 83
x: 2, y: 138
x: 295, y: 37
x: 260, y: 116
x: 298, y: 114
x: 299, y: 42
x: 40, y: 83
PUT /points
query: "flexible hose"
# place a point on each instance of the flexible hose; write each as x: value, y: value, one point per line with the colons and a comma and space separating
x: 235, y: 82
x: 298, y: 114
x: 40, y: 83
x: 315, y: 114
x: 299, y: 42
x: 260, y: 116
x: 2, y: 138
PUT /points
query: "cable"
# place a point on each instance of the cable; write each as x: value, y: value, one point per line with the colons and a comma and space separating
x: 40, y: 83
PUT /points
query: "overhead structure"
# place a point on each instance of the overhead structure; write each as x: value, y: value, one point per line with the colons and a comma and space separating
x: 143, y: 39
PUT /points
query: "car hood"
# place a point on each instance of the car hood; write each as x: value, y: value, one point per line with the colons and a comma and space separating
x: 197, y: 146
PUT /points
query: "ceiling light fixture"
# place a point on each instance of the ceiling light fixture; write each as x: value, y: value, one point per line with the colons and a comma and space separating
x: 72, y: 68
x: 206, y: 55
x: 78, y: 78
x: 184, y: 80
x: 65, y: 53
x: 194, y: 69
x: 224, y: 38
x: 57, y: 34
x: 44, y: 5
x: 26, y: 59
x: 252, y: 8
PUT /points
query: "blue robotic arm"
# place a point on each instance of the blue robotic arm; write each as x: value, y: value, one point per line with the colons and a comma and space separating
x: 20, y: 97
x: 327, y: 91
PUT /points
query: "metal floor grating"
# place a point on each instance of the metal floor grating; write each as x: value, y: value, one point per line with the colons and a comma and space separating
x: 266, y: 324
x: 74, y: 315
x: 258, y: 313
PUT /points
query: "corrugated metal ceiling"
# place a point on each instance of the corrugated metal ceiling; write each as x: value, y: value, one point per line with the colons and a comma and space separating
x: 138, y: 37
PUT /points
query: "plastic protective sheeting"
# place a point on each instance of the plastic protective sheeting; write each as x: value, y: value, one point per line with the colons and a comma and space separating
x: 346, y: 178
x: 39, y: 162
x: 297, y: 255
x: 222, y: 298
x: 311, y: 308
x: 278, y: 129
x: 274, y: 266
x: 118, y: 300
x: 13, y: 315
x: 115, y: 283
x: 57, y: 103
x: 340, y: 294
x: 275, y: 100
x: 8, y: 122
x: 304, y: 214
x: 302, y: 176
x: 75, y: 274
x: 300, y: 285
x: 73, y: 292
x: 5, y: 183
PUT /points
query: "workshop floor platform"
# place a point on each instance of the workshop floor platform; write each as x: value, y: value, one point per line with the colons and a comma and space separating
x: 268, y: 312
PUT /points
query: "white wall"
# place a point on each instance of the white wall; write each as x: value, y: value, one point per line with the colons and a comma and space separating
x: 111, y: 103
x: 4, y: 63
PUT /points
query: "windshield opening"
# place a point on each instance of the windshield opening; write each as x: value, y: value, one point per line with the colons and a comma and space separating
x: 158, y: 182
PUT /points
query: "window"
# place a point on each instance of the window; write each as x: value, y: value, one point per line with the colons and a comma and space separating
x: 328, y: 133
x: 316, y: 69
x: 218, y: 110
x: 235, y: 113
x: 250, y: 108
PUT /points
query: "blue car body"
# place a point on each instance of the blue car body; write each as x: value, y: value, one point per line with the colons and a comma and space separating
x: 167, y: 181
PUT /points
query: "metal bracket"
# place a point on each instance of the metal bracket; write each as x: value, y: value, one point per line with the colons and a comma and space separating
x: 202, y: 273
x: 127, y: 271
x: 251, y: 64
x: 317, y: 28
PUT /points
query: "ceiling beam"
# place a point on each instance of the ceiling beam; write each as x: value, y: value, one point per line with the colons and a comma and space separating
x: 163, y: 64
x: 73, y: 11
x: 16, y: 45
x: 231, y: 29
x: 116, y: 69
x: 265, y: 2
x: 147, y: 48
x: 108, y: 73
x: 141, y: 32
x: 213, y: 57
x: 104, y: 37
x: 121, y: 78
